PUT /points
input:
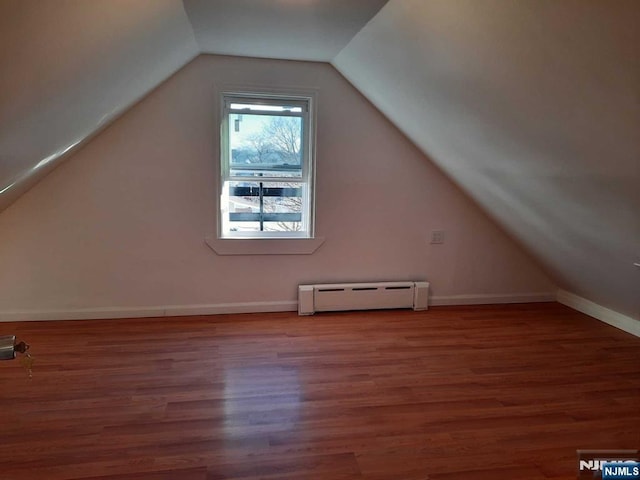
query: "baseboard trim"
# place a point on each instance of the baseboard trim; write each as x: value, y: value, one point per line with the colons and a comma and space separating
x: 244, y: 307
x: 143, y: 312
x: 487, y: 299
x: 599, y: 312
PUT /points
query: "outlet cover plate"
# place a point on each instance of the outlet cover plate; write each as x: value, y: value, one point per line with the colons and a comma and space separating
x: 437, y: 237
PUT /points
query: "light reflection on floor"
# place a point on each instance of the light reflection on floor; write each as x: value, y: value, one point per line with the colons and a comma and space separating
x: 260, y: 400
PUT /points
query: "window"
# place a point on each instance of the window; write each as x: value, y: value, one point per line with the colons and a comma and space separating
x: 266, y: 166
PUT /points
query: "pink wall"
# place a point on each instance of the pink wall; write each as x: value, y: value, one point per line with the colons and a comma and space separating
x: 121, y: 225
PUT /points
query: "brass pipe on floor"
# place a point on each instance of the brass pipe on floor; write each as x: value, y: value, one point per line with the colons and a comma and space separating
x: 9, y: 347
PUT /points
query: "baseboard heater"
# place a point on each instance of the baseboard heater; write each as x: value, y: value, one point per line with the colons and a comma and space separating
x: 335, y: 297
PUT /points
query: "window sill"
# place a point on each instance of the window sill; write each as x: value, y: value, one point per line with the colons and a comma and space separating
x: 264, y: 246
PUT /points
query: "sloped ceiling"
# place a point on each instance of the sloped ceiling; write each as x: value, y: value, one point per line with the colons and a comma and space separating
x: 71, y: 66
x: 286, y: 29
x: 533, y: 107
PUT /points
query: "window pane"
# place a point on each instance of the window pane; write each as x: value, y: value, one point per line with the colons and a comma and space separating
x: 243, y: 207
x: 283, y: 207
x: 264, y: 207
x: 266, y: 166
x: 265, y: 145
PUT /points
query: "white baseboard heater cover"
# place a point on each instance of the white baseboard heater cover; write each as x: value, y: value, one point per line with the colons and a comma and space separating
x: 334, y: 297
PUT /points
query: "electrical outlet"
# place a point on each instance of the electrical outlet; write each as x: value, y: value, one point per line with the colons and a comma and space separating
x: 437, y: 237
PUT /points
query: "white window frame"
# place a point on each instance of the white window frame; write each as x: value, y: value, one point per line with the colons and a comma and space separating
x: 307, y: 103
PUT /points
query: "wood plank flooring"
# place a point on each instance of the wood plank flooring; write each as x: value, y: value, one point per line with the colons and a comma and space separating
x: 493, y: 392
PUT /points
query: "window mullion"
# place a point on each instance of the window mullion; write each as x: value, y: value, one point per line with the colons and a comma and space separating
x: 233, y: 178
x: 261, y: 193
x: 266, y: 113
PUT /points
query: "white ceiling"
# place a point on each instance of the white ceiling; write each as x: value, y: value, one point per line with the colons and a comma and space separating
x: 287, y: 29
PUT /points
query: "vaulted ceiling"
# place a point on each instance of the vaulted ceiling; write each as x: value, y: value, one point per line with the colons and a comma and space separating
x: 286, y: 29
x: 532, y: 107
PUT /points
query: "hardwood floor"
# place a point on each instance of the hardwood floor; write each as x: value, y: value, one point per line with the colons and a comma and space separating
x: 496, y: 392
